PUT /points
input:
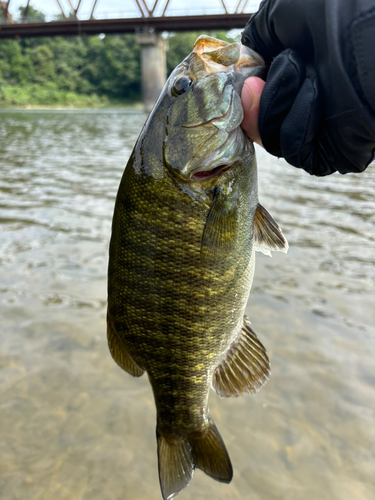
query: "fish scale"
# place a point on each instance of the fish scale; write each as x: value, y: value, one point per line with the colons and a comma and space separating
x: 181, y: 260
x: 172, y: 302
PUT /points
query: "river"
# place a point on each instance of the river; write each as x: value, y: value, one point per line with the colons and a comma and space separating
x: 73, y: 425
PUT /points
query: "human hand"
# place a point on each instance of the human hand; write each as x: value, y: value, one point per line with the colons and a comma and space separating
x: 317, y: 109
x: 250, y: 97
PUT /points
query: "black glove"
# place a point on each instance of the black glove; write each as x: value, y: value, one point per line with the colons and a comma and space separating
x: 317, y: 109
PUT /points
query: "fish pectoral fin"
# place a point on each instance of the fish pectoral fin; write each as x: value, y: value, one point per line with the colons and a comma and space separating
x: 267, y: 234
x: 221, y: 224
x: 210, y: 454
x: 119, y: 353
x: 176, y: 465
x: 246, y: 367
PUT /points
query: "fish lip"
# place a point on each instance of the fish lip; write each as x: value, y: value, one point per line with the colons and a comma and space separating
x: 209, y: 174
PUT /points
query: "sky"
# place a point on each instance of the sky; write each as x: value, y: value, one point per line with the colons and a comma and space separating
x: 128, y: 8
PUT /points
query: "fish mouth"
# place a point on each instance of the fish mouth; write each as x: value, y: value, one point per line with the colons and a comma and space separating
x: 209, y: 174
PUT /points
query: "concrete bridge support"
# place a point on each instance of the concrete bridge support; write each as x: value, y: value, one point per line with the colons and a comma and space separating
x: 153, y: 66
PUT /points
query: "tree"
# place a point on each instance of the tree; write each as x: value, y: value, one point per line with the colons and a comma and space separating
x: 14, y: 66
x: 30, y: 15
x: 112, y: 65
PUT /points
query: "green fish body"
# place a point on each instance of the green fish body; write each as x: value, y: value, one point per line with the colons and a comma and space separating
x: 186, y: 225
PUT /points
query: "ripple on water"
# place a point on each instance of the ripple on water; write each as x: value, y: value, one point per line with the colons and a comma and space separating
x: 74, y: 426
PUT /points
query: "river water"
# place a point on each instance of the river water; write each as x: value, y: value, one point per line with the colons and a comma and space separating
x: 75, y: 426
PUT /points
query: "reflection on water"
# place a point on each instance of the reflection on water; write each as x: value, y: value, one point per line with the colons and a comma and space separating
x: 74, y: 426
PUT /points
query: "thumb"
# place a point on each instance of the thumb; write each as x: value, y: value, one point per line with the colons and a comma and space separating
x: 250, y: 97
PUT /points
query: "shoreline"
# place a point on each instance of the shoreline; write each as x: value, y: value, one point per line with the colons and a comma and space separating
x: 138, y: 106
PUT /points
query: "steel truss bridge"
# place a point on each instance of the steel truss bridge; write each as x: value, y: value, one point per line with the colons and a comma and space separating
x: 145, y: 16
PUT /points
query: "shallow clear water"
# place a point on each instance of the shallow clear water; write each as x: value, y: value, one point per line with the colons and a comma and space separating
x: 74, y: 426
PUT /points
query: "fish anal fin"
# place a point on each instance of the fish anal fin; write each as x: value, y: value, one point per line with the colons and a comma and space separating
x: 118, y: 351
x: 245, y: 368
x: 267, y: 234
x: 210, y: 454
x: 176, y: 465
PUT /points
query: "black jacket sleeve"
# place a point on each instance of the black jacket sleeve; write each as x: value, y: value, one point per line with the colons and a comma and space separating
x: 317, y: 109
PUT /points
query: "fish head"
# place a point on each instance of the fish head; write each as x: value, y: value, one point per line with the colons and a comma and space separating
x: 203, y: 137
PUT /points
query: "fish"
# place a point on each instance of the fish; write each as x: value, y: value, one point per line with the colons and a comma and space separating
x: 186, y: 224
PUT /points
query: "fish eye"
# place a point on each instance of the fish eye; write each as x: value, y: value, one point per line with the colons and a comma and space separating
x: 181, y: 85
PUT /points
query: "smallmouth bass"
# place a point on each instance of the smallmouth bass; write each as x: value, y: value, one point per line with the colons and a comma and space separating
x: 185, y: 229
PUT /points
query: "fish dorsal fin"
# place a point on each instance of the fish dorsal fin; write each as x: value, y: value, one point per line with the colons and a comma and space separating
x: 245, y: 368
x: 267, y: 234
x: 119, y: 353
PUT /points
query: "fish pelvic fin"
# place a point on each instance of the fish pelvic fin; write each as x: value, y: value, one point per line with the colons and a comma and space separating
x: 118, y: 351
x: 267, y: 234
x: 245, y: 368
x: 178, y: 458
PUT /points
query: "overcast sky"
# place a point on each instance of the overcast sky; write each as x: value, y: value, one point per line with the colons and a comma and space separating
x: 128, y: 8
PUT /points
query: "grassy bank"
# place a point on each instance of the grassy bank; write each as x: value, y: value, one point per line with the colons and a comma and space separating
x: 49, y: 96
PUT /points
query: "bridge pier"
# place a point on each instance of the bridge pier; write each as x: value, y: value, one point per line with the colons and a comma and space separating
x: 153, y: 66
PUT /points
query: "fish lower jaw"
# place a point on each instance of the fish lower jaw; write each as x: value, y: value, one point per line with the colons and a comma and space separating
x: 209, y: 174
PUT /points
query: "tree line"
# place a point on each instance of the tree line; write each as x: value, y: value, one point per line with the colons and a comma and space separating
x: 79, y: 71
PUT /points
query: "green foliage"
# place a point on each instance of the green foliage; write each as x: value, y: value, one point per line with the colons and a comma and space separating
x: 54, y: 70
x: 47, y: 95
x: 113, y: 66
x: 31, y: 15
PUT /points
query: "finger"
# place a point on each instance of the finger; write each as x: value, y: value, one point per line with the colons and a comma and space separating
x: 250, y: 96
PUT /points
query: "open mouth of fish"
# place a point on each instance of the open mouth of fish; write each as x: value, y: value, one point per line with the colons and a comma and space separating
x: 209, y: 174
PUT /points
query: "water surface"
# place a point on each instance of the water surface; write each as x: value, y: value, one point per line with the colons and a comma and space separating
x: 75, y: 426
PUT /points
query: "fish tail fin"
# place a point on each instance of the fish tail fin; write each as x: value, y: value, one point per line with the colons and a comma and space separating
x: 176, y: 464
x: 178, y: 457
x: 210, y: 454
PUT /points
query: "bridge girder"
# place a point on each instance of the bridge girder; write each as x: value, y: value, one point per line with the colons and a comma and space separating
x: 147, y: 21
x: 97, y: 26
